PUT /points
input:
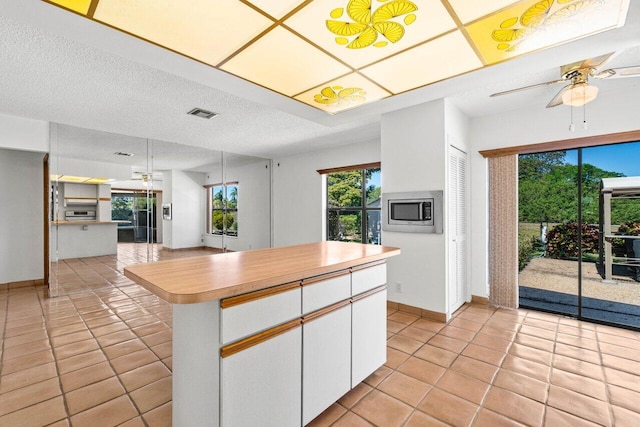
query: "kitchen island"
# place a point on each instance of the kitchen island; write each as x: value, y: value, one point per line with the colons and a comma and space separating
x: 239, y: 357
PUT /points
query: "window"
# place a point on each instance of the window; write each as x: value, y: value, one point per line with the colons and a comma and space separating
x: 223, y: 209
x: 353, y: 204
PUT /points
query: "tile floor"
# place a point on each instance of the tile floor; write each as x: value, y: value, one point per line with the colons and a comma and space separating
x: 100, y: 355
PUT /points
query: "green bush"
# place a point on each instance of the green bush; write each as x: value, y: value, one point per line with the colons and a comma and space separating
x: 562, y: 240
x: 630, y: 228
x: 526, y: 249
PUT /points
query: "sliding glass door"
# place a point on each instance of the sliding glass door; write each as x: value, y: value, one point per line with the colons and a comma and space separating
x: 577, y: 253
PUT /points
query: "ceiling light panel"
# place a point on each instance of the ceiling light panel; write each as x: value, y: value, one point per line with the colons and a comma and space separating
x: 533, y: 25
x: 346, y: 92
x: 469, y: 10
x: 208, y: 31
x: 360, y: 36
x: 285, y: 63
x: 447, y: 56
x: 80, y: 6
x: 327, y: 46
x: 276, y: 9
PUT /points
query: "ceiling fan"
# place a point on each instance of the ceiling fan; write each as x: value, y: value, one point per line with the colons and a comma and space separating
x: 578, y: 92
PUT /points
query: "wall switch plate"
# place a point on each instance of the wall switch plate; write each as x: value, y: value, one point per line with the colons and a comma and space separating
x: 399, y: 287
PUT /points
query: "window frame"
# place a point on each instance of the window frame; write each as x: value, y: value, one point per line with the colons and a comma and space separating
x: 362, y: 209
x: 224, y: 209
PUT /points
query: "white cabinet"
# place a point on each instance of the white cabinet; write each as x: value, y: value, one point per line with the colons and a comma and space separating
x: 326, y: 362
x: 80, y: 191
x: 364, y: 279
x: 104, y: 202
x: 247, y: 314
x: 369, y: 335
x: 322, y: 291
x: 260, y: 385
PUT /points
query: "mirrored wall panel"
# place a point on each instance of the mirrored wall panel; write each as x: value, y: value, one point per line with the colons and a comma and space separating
x: 121, y: 200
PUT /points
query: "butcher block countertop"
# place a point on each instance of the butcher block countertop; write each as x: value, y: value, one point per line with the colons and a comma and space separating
x: 212, y: 277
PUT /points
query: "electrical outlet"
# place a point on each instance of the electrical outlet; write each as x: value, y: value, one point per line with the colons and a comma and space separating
x: 399, y: 287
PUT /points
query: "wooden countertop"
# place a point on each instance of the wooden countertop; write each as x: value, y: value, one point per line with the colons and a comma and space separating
x: 211, y: 277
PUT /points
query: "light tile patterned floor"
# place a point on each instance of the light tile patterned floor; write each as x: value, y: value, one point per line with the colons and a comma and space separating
x: 100, y: 355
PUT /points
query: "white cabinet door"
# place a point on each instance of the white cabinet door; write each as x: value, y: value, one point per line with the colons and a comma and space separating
x: 369, y: 335
x: 80, y: 191
x: 260, y: 386
x: 247, y: 318
x: 317, y: 294
x: 326, y: 362
x: 368, y: 278
x: 457, y: 229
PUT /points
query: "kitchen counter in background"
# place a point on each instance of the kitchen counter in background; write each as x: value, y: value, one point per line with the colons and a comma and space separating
x: 80, y: 239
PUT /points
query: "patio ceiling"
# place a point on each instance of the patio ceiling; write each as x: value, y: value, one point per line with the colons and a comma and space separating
x: 336, y: 55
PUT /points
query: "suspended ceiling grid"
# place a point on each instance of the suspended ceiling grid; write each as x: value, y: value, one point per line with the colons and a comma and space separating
x: 336, y: 55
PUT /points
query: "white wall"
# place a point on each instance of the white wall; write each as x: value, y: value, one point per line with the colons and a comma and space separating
x: 185, y: 192
x: 19, y: 133
x: 414, y: 159
x: 611, y: 112
x: 298, y: 195
x: 254, y: 206
x: 21, y: 228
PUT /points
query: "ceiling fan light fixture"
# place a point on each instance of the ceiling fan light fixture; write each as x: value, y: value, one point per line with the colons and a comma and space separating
x: 579, y: 94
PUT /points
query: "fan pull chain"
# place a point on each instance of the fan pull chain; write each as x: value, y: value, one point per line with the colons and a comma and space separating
x: 572, y: 127
x: 584, y: 116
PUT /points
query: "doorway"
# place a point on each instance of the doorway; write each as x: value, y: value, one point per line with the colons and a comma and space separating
x: 135, y: 213
x: 562, y: 224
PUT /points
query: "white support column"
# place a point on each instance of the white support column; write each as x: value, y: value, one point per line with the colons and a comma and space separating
x: 196, y: 366
x: 608, y: 252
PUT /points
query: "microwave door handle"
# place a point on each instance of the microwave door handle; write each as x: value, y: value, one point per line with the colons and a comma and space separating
x: 422, y: 211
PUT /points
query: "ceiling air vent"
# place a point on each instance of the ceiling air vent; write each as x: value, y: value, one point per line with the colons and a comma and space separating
x: 199, y: 112
x: 120, y: 153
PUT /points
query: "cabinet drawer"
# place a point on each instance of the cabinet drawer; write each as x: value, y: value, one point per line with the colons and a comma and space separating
x: 248, y: 314
x: 364, y: 279
x: 322, y: 291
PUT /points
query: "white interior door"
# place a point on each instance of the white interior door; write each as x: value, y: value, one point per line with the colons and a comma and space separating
x: 457, y: 226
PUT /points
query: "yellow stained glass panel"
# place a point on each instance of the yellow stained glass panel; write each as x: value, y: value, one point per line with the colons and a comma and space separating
x: 391, y: 28
x: 537, y: 24
x: 96, y: 180
x: 71, y: 178
x: 284, y: 63
x: 468, y: 10
x: 437, y: 60
x: 342, y: 94
x: 208, y: 31
x: 80, y: 6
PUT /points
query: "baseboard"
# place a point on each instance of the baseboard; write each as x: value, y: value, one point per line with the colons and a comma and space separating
x: 475, y: 299
x: 22, y: 284
x: 433, y: 315
x: 195, y: 248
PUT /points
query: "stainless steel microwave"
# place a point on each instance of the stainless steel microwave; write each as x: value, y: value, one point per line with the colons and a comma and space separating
x: 412, y: 212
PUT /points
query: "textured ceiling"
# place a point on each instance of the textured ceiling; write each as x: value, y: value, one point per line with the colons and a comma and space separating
x: 65, y: 69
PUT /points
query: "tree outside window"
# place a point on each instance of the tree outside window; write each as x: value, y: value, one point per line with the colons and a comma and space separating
x: 353, y: 206
x: 223, y: 202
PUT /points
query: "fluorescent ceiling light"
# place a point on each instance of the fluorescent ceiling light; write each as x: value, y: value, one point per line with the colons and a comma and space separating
x: 300, y: 48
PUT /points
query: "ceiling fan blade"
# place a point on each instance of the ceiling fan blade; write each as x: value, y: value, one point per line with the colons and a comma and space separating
x: 506, y: 92
x: 598, y: 61
x: 618, y: 73
x: 557, y: 100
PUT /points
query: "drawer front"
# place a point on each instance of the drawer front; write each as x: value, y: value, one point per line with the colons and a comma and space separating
x: 368, y: 278
x: 248, y: 318
x: 320, y: 294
